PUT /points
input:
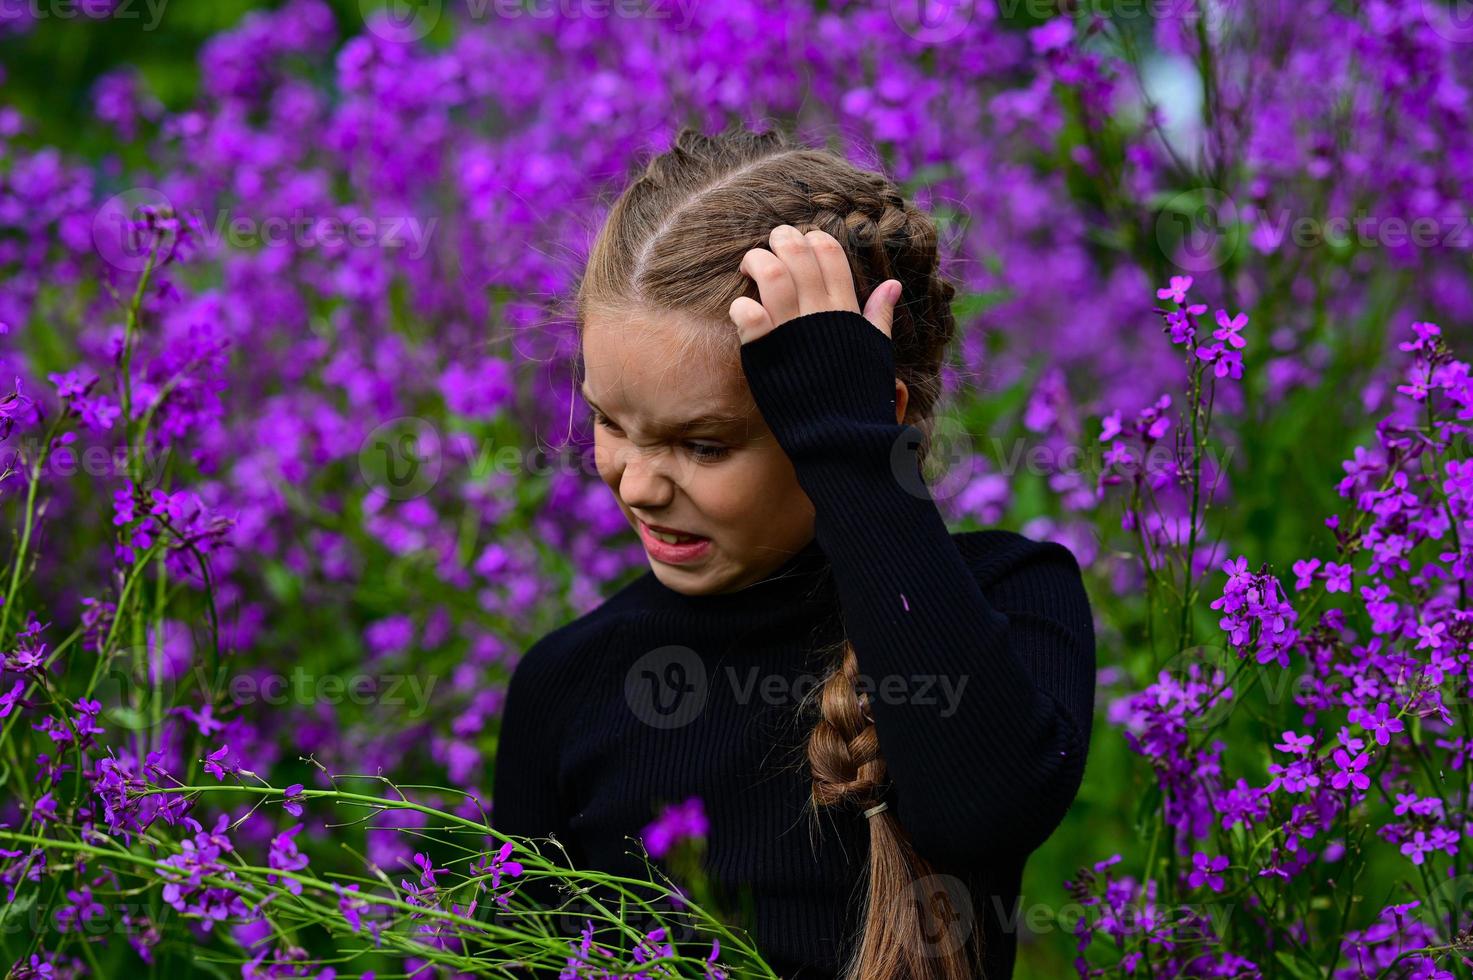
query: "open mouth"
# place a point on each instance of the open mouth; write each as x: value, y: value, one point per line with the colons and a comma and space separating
x: 672, y: 537
x: 673, y: 547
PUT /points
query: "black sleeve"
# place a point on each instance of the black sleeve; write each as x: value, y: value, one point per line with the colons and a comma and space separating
x: 524, y: 795
x: 989, y: 768
x: 525, y: 801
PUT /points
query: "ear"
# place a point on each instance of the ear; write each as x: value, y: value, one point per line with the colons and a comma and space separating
x: 902, y: 395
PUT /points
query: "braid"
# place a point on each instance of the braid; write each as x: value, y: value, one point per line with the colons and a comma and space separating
x: 901, y: 933
x: 843, y: 750
x: 674, y: 240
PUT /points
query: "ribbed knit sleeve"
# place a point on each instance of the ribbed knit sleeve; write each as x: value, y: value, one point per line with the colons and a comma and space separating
x: 989, y: 769
x: 525, y: 797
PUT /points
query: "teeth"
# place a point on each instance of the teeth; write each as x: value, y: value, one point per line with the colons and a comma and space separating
x: 671, y: 538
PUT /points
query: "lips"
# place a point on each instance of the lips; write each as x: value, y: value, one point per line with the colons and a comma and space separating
x: 663, y: 529
x: 689, y: 551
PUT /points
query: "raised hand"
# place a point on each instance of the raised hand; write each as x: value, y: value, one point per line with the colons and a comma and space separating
x: 804, y: 274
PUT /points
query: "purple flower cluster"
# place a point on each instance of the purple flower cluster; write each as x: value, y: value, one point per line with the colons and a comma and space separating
x: 1376, y: 694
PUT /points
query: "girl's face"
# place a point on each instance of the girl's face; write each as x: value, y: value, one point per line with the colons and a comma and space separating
x: 680, y: 442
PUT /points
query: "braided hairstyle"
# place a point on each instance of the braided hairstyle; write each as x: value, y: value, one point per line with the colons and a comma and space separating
x: 673, y: 241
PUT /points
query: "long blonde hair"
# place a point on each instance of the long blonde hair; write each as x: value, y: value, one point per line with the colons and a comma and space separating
x: 673, y: 240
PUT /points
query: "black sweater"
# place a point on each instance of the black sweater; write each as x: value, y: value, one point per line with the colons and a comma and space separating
x: 978, y: 649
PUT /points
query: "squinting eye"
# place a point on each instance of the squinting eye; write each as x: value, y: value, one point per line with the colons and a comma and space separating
x: 707, y: 453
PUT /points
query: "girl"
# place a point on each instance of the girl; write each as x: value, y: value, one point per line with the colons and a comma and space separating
x: 809, y: 640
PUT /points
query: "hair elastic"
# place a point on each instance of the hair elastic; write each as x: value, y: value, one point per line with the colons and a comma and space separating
x: 876, y: 809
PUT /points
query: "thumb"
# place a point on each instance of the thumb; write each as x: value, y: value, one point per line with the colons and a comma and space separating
x: 880, y: 309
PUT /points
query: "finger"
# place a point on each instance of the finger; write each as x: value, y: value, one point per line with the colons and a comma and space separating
x: 880, y: 310
x: 751, y: 319
x: 774, y: 283
x: 792, y: 247
x: 833, y: 263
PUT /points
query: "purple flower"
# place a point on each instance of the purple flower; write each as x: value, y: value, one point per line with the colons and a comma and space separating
x: 1418, y: 847
x: 1350, y: 771
x: 1228, y: 330
x: 1295, y: 744
x: 284, y: 856
x: 1177, y: 291
x: 1207, y: 870
x: 1225, y: 363
x: 1337, y: 577
x: 80, y: 909
x: 11, y: 698
x: 1382, y: 725
x: 496, y: 866
x: 217, y: 765
x: 1304, y: 573
x: 676, y: 822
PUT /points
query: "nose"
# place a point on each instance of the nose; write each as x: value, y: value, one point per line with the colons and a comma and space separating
x: 643, y: 480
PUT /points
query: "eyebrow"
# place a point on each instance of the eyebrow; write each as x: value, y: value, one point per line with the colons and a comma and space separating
x: 706, y: 419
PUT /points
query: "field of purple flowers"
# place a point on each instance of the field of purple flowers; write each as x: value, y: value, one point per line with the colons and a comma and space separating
x: 293, y: 466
